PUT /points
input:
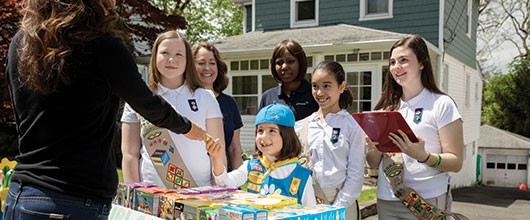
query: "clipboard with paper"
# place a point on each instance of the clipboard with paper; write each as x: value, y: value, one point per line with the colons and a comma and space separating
x: 378, y: 124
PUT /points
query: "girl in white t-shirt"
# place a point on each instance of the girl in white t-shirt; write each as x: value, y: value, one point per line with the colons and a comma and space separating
x: 334, y: 139
x: 433, y: 116
x: 172, y: 75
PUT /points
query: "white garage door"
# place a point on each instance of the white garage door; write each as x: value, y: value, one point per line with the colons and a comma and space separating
x: 506, y: 170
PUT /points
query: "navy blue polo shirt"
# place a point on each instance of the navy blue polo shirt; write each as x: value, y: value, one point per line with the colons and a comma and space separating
x: 300, y: 101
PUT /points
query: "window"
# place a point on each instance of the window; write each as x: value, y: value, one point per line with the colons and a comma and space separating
x: 445, y: 81
x: 304, y: 13
x: 490, y: 165
x: 468, y: 78
x: 476, y: 91
x: 469, y: 17
x: 247, y: 19
x: 360, y: 85
x: 245, y: 91
x: 375, y: 9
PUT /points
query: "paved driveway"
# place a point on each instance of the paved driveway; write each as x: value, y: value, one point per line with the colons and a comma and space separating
x: 489, y: 203
x: 492, y: 203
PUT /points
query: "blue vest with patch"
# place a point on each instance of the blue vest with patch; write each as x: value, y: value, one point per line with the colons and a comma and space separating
x: 292, y: 186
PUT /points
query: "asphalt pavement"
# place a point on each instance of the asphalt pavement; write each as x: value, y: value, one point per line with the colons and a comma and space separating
x: 490, y: 203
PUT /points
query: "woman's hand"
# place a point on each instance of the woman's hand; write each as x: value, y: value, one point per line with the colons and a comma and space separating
x: 415, y: 150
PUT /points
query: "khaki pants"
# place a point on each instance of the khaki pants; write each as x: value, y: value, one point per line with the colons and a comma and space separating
x: 396, y: 210
x: 352, y: 212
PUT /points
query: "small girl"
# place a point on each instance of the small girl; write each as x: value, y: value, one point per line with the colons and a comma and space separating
x: 172, y: 75
x: 334, y: 140
x: 277, y: 170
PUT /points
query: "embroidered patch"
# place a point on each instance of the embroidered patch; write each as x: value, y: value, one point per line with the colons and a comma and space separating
x: 335, y: 135
x: 193, y: 105
x: 295, y: 185
x: 176, y: 176
x: 418, y: 113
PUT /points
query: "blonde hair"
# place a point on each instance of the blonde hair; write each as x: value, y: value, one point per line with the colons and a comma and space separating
x: 191, y: 78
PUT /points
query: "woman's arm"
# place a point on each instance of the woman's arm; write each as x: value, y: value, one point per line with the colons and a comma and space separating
x: 452, y: 140
x: 214, y: 127
x: 131, y: 143
x: 234, y: 150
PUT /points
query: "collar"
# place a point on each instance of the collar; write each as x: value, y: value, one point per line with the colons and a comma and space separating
x: 271, y: 166
x: 343, y: 112
x: 415, y: 100
x: 304, y: 85
x: 163, y: 90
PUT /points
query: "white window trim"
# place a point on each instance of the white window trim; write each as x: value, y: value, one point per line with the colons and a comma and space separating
x: 469, y: 17
x: 308, y: 23
x: 364, y: 17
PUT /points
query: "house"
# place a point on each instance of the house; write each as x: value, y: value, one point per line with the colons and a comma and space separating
x: 503, y: 158
x: 359, y: 34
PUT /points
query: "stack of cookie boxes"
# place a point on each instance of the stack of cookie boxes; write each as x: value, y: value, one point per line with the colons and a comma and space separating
x: 205, y: 203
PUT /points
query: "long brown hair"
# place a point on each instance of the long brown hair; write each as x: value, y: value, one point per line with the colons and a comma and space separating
x: 294, y: 49
x: 191, y: 79
x: 221, y: 82
x: 51, y: 29
x: 392, y: 91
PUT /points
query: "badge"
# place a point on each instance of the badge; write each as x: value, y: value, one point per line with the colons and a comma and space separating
x: 417, y: 115
x: 335, y: 135
x: 193, y: 105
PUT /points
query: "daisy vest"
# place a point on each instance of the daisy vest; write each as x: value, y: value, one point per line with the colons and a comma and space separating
x: 259, y: 180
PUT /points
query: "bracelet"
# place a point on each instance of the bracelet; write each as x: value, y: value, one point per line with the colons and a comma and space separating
x: 435, y: 165
x: 426, y: 159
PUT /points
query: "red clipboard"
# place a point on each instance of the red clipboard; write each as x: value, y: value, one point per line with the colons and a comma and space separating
x: 378, y: 125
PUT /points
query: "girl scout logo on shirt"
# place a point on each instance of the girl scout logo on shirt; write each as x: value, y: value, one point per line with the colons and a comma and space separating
x: 193, y: 105
x: 335, y: 135
x: 417, y: 115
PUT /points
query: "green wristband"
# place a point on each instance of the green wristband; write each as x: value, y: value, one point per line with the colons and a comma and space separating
x: 435, y: 165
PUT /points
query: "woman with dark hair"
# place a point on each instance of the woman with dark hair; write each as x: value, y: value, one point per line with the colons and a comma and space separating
x: 289, y: 67
x: 423, y: 166
x: 66, y: 73
x: 212, y: 71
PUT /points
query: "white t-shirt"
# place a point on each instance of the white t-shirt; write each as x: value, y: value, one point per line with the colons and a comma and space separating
x: 193, y: 152
x: 436, y: 111
x: 338, y: 162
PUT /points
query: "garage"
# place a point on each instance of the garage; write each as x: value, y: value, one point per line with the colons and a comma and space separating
x: 503, y: 157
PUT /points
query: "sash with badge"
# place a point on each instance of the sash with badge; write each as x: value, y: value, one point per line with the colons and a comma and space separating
x: 165, y: 156
x: 417, y: 205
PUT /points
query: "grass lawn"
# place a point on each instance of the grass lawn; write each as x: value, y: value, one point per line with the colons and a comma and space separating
x: 367, y: 195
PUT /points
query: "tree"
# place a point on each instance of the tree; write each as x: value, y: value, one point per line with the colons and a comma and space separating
x: 145, y: 19
x: 10, y: 14
x: 503, y: 21
x: 212, y: 20
x: 506, y: 99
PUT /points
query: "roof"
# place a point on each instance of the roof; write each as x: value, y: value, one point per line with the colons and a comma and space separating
x: 340, y: 34
x: 492, y: 137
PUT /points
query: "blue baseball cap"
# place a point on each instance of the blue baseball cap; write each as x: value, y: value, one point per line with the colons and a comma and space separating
x: 277, y: 114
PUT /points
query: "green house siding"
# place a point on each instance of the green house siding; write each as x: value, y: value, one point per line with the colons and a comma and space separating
x: 333, y: 12
x: 457, y: 43
x: 272, y: 15
x: 409, y: 17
